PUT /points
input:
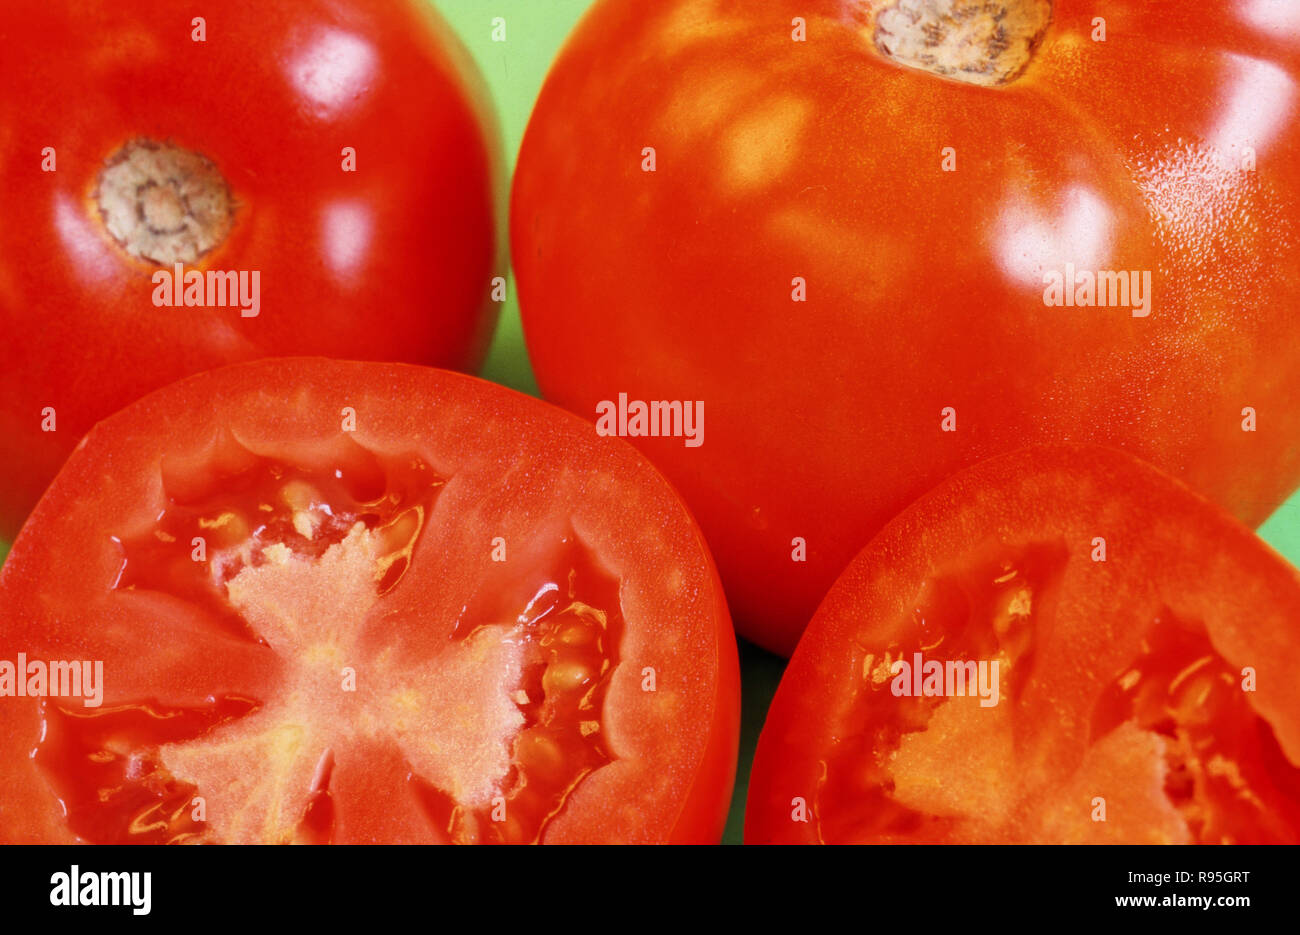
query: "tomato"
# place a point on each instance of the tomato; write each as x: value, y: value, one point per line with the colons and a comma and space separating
x: 132, y: 142
x: 353, y: 602
x: 855, y: 254
x: 1129, y: 658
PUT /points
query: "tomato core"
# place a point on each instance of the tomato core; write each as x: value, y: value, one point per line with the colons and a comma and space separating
x: 1177, y: 705
x: 496, y: 721
x: 881, y: 797
x: 164, y: 204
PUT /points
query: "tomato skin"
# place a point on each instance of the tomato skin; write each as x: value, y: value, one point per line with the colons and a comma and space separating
x: 516, y: 468
x: 390, y: 262
x: 1171, y: 555
x: 778, y: 159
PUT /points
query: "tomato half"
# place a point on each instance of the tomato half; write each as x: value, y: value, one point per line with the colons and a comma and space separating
x: 363, y: 602
x: 142, y: 135
x: 1147, y: 680
x: 838, y: 223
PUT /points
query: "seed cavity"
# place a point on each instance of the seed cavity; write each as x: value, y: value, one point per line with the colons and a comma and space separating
x: 990, y: 611
x: 493, y: 728
x: 1223, y: 768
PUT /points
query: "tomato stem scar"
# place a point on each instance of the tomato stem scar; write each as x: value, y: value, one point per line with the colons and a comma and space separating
x: 983, y: 42
x: 162, y: 203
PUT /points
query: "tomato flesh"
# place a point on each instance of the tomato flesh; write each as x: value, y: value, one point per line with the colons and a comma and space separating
x: 242, y: 511
x: 338, y: 706
x: 1132, y: 701
x: 262, y: 511
x: 979, y: 613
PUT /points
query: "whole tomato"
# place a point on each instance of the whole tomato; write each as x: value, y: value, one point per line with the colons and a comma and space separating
x: 324, y: 172
x: 885, y: 239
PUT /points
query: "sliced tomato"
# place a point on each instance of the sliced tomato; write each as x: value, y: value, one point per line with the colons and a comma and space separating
x: 351, y: 602
x: 1148, y: 671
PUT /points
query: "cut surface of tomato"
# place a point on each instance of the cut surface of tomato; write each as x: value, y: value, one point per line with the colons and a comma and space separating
x: 344, y: 602
x: 1060, y: 645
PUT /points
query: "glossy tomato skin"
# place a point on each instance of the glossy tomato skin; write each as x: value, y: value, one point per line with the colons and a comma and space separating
x: 1006, y: 553
x: 390, y: 262
x: 817, y: 165
x: 508, y: 466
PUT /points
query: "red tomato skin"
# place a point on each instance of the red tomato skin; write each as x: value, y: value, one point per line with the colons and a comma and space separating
x: 1169, y: 551
x: 818, y: 159
x: 676, y: 783
x: 390, y: 262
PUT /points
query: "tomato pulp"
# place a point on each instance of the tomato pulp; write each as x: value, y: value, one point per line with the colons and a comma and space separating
x: 323, y: 174
x: 1061, y: 645
x: 883, y: 241
x: 347, y: 602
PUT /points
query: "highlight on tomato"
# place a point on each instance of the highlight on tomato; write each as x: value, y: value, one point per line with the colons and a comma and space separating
x: 883, y: 240
x: 186, y: 188
x: 302, y: 600
x: 1060, y: 645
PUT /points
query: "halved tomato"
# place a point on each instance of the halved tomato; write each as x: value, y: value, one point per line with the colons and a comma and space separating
x: 360, y: 602
x: 1058, y: 645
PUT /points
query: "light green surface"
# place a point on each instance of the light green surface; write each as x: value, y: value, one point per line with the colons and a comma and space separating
x: 514, y: 69
x: 1282, y: 531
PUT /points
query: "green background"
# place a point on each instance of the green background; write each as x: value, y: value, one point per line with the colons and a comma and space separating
x: 514, y: 69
